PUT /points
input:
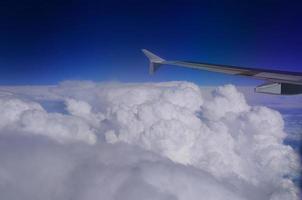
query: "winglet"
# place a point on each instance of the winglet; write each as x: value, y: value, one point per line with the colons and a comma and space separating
x: 155, y: 61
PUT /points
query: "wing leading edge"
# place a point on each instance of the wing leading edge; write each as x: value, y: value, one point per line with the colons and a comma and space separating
x: 279, y: 82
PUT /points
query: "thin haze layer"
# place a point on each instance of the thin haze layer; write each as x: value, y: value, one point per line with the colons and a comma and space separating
x: 86, y: 140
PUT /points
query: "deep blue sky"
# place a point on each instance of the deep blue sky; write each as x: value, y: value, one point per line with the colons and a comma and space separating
x: 47, y: 41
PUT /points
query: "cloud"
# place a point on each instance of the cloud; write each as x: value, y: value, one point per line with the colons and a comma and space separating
x: 30, y: 118
x: 140, y: 141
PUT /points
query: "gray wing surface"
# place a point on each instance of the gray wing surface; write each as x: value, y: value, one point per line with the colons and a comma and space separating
x: 284, y: 78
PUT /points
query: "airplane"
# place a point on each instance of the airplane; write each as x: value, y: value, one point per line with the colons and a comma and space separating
x: 277, y: 82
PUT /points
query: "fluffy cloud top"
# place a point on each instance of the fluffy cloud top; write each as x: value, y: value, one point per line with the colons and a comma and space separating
x: 141, y: 141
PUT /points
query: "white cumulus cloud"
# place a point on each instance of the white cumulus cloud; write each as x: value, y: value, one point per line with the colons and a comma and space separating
x: 141, y: 141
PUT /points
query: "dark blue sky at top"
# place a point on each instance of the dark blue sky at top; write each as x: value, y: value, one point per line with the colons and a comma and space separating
x: 45, y: 42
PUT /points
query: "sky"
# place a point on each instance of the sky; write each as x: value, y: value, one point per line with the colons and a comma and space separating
x: 80, y: 111
x: 45, y: 42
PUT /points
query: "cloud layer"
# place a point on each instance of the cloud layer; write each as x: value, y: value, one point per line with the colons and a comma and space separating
x: 86, y: 140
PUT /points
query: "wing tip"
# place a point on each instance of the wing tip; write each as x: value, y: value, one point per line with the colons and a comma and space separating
x: 155, y: 61
x: 152, y: 57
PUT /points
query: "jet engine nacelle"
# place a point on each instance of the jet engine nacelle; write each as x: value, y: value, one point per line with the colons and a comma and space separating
x: 279, y: 89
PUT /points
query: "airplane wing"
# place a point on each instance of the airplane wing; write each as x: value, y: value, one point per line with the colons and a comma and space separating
x: 279, y: 82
